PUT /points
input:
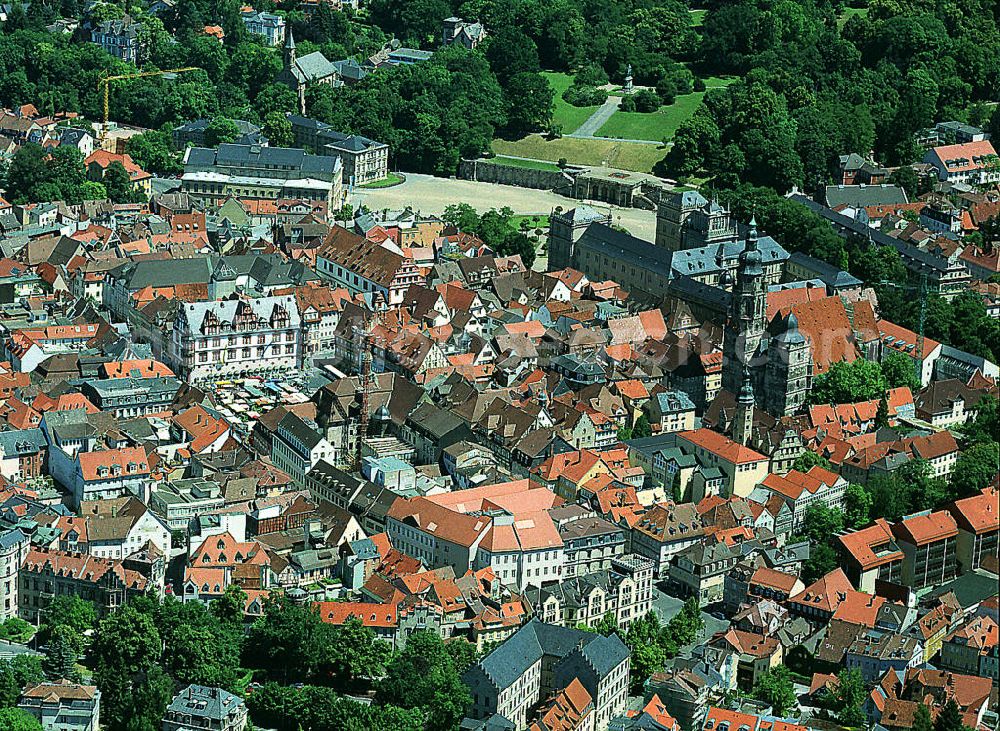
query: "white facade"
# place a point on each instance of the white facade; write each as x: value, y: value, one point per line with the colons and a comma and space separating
x: 147, y: 529
x: 236, y: 337
x: 13, y: 550
x: 523, y: 568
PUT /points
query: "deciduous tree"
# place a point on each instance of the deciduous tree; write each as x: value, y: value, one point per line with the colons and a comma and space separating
x: 14, y: 719
x: 844, y: 383
x: 775, y: 688
x: 423, y: 676
x: 278, y: 130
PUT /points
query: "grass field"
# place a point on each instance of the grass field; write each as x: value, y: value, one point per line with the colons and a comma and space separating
x: 697, y: 18
x: 530, y: 164
x: 609, y: 153
x: 659, y: 125
x: 850, y: 13
x: 566, y: 115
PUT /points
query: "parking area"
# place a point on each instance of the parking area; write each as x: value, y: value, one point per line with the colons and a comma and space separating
x: 428, y: 194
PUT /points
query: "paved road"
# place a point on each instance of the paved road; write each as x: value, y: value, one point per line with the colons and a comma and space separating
x: 432, y: 195
x: 596, y: 120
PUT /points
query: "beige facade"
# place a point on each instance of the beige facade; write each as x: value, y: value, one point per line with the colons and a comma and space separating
x: 13, y: 550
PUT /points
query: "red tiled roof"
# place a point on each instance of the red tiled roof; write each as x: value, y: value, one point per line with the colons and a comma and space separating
x: 872, y: 546
x: 773, y: 579
x: 103, y: 159
x: 826, y: 325
x: 979, y: 513
x: 136, y: 368
x: 965, y: 156
x: 722, y: 446
x: 859, y: 608
x: 904, y: 341
x: 927, y: 528
x: 81, y: 567
x: 737, y: 720
x: 371, y: 615
x: 825, y: 593
x: 115, y: 463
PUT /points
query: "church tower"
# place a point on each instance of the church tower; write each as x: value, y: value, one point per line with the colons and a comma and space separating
x: 743, y: 421
x: 789, y: 370
x: 747, y: 315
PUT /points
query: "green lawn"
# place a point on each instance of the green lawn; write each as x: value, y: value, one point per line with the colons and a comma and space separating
x: 697, y: 18
x: 607, y: 153
x: 391, y: 179
x: 850, y: 13
x: 534, y: 221
x: 530, y: 164
x: 659, y: 125
x: 566, y: 115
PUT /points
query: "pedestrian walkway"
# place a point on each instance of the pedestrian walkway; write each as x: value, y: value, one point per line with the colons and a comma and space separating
x: 596, y: 120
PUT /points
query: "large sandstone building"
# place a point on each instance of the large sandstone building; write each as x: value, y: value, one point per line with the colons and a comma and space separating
x: 700, y: 255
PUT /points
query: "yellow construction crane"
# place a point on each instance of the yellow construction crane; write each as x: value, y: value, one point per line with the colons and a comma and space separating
x: 105, y: 81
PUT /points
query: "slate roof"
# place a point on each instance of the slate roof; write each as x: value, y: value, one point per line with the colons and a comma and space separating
x: 225, y: 310
x: 615, y: 244
x: 255, y: 157
x: 350, y: 69
x: 25, y: 441
x: 847, y: 224
x: 350, y: 143
x: 200, y: 701
x: 860, y: 196
x: 507, y: 663
x: 314, y: 66
x: 830, y: 275
x: 141, y: 274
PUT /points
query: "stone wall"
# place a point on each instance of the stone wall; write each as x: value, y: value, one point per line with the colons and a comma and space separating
x: 488, y: 171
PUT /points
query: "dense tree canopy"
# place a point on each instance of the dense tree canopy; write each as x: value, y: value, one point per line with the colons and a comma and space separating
x: 424, y: 677
x: 818, y: 91
x: 843, y: 383
x: 495, y: 227
x: 15, y: 674
x: 14, y: 719
x: 313, y: 708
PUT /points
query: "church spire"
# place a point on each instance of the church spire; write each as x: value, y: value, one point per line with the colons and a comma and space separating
x: 289, y: 49
x: 743, y: 422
